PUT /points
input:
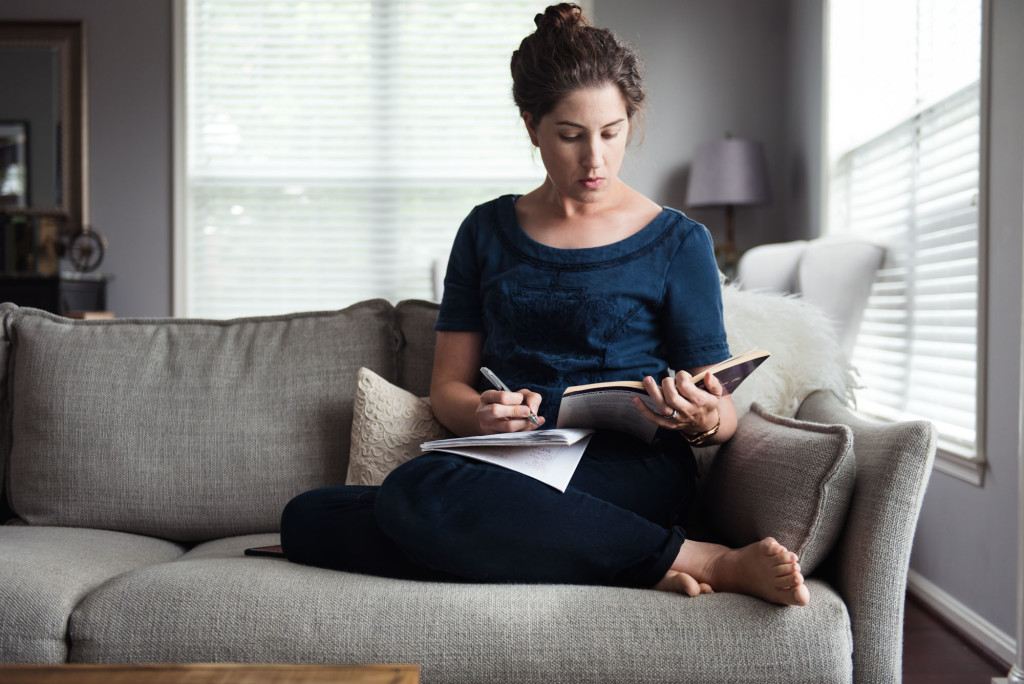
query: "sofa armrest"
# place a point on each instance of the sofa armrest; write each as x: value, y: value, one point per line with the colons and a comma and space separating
x: 872, y: 556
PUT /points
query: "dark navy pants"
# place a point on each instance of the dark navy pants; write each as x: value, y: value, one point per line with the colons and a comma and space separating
x: 446, y: 517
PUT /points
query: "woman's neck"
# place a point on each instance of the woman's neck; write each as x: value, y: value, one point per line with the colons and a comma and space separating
x: 552, y: 219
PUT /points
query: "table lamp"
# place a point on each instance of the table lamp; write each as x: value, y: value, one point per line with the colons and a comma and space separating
x: 729, y: 173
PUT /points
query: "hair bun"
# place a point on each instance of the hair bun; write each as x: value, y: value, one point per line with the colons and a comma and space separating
x: 566, y: 16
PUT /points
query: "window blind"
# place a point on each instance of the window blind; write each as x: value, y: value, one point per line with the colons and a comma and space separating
x: 915, y: 189
x: 333, y: 147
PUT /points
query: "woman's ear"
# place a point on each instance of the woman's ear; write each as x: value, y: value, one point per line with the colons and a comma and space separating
x: 531, y: 127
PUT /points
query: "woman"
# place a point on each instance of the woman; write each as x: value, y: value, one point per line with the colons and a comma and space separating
x: 582, y: 280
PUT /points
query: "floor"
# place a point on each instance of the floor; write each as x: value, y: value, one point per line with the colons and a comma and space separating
x: 932, y: 654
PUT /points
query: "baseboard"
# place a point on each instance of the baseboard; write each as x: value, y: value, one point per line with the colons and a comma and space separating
x: 969, y: 625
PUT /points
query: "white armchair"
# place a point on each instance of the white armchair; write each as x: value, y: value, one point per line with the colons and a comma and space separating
x: 833, y: 273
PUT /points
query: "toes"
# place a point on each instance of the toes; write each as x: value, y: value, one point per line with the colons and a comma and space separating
x: 680, y: 583
x: 690, y: 586
x: 787, y: 569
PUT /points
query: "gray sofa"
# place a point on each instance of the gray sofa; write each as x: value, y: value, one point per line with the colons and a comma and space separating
x: 142, y: 456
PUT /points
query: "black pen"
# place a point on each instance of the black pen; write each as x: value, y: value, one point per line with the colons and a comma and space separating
x: 499, y: 385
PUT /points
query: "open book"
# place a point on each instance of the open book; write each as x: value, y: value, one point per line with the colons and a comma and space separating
x: 610, y: 404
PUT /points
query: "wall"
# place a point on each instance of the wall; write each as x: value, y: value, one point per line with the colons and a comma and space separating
x: 711, y: 68
x: 805, y: 114
x: 128, y: 57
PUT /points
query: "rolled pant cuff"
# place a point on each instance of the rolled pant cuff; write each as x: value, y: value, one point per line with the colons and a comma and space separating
x: 653, y: 573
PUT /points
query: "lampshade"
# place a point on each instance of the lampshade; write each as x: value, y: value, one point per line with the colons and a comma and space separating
x: 728, y: 172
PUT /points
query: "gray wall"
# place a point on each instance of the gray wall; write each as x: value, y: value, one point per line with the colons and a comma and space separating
x: 712, y: 68
x: 804, y: 152
x: 751, y: 67
x: 128, y: 57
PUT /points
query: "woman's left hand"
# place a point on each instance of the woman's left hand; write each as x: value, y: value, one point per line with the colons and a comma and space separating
x: 681, y: 405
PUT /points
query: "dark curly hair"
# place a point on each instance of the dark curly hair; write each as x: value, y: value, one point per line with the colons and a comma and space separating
x: 566, y: 54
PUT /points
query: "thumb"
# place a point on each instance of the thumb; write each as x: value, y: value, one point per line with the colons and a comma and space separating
x: 712, y: 385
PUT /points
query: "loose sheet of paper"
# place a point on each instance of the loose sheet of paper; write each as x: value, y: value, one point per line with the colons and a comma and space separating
x: 552, y: 465
x: 524, y: 438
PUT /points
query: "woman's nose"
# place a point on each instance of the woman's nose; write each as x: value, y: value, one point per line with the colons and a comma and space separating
x: 592, y: 155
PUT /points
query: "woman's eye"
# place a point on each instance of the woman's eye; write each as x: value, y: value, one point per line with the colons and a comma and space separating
x: 569, y: 138
x: 611, y: 136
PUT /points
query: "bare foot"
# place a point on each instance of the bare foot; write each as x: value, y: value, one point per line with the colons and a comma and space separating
x: 765, y: 569
x: 681, y: 583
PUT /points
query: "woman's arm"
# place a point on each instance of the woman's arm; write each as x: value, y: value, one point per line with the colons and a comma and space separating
x: 696, y: 410
x: 454, y: 398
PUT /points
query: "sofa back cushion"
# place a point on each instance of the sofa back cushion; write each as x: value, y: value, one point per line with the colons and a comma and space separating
x: 183, y: 429
x: 416, y: 320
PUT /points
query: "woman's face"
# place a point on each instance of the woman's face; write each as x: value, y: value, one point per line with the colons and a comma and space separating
x: 582, y: 142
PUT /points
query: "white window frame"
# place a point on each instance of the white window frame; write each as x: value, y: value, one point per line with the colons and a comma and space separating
x: 949, y: 460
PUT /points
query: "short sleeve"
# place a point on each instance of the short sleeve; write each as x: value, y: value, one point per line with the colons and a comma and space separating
x: 694, y: 321
x: 461, y: 308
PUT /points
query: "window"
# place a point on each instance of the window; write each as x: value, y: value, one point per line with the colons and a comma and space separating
x: 333, y: 147
x: 904, y: 137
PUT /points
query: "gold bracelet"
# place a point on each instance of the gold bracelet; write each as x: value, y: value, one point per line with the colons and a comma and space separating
x: 698, y: 440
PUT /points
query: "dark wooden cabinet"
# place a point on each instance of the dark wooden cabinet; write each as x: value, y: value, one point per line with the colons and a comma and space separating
x: 57, y: 294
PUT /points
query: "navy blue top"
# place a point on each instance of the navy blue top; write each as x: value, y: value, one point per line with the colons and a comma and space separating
x: 552, y: 318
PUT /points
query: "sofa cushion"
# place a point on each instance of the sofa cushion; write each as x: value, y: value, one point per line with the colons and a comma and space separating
x: 388, y: 426
x: 233, y: 608
x: 230, y: 547
x: 184, y: 429
x: 783, y: 478
x: 416, y: 320
x: 45, y: 572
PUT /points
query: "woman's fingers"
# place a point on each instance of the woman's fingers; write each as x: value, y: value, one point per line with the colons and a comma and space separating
x: 654, y: 390
x: 532, y: 399
x: 662, y: 419
x: 713, y: 386
x: 501, y: 411
x: 678, y: 403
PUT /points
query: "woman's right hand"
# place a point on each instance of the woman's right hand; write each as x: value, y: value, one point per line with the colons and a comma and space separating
x: 507, y: 411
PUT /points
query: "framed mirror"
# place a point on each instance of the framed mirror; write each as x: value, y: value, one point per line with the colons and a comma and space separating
x: 42, y: 120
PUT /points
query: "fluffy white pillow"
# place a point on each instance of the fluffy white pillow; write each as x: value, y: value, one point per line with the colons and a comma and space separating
x: 806, y: 355
x: 388, y: 425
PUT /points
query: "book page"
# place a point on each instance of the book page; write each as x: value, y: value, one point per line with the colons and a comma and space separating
x: 552, y: 465
x: 608, y: 408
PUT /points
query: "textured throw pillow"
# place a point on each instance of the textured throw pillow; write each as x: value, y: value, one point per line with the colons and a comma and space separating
x: 783, y: 478
x: 388, y: 426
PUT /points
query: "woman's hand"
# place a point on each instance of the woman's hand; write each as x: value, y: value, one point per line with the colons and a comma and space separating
x: 507, y: 411
x: 681, y: 405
